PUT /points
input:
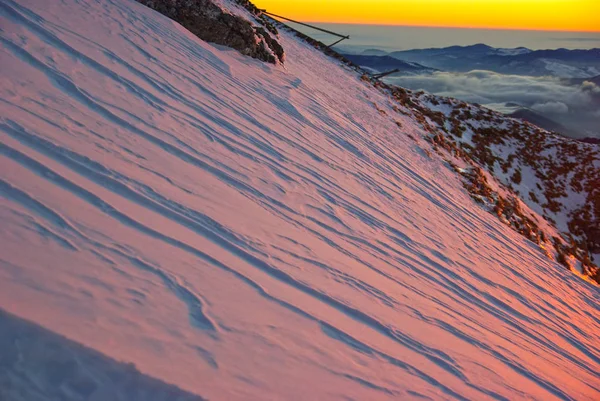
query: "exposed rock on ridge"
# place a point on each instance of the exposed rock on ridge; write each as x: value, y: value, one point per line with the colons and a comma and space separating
x: 211, y: 23
x: 557, y: 176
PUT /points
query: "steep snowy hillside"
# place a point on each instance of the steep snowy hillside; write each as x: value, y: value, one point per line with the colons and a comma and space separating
x: 181, y: 221
x: 557, y: 177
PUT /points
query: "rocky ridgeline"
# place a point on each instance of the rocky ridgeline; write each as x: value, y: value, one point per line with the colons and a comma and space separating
x: 557, y: 177
x: 211, y: 23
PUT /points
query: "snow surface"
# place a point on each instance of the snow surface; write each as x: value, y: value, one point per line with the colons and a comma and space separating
x: 245, y: 231
x: 512, y: 52
x: 37, y: 364
x: 562, y: 70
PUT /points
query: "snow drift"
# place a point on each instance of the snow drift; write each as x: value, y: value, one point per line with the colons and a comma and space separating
x: 242, y: 230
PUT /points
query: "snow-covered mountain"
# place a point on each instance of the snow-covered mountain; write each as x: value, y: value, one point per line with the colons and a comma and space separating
x: 182, y: 221
x: 387, y: 63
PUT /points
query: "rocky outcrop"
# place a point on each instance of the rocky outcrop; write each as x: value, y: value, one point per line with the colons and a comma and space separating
x: 559, y: 177
x: 211, y: 23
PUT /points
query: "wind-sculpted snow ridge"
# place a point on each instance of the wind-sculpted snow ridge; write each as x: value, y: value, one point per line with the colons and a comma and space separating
x: 243, y: 231
x: 557, y: 177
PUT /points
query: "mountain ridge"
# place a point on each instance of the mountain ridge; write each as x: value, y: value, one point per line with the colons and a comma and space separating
x: 564, y: 63
x: 386, y: 63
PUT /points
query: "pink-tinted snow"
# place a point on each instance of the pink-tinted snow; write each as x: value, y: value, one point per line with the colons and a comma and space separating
x: 246, y: 231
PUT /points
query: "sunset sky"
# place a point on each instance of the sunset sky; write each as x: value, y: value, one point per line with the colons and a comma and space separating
x: 563, y: 15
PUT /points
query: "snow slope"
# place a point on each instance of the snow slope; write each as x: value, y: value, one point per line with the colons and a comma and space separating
x: 557, y: 177
x: 248, y: 231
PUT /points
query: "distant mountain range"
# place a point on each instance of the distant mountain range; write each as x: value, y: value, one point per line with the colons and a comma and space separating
x: 571, y: 67
x: 593, y: 141
x: 387, y: 63
x: 562, y: 63
x: 579, y: 126
x: 545, y: 122
x: 542, y: 121
x: 579, y: 81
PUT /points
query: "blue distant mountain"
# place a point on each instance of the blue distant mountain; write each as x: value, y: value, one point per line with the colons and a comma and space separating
x: 571, y: 67
x: 380, y: 63
x: 578, y: 81
x: 374, y: 52
x: 519, y: 61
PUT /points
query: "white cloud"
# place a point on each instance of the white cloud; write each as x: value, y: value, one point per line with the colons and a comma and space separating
x: 551, y: 108
x: 588, y: 86
x: 574, y: 105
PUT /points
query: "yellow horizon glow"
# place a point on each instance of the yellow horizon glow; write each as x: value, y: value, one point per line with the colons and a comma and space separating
x: 544, y: 15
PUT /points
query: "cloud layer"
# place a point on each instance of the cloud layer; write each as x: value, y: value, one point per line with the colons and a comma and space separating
x: 573, y: 105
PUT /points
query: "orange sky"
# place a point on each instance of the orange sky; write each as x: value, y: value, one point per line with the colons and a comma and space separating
x: 563, y: 15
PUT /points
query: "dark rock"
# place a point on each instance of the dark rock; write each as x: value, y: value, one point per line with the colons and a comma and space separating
x: 211, y: 23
